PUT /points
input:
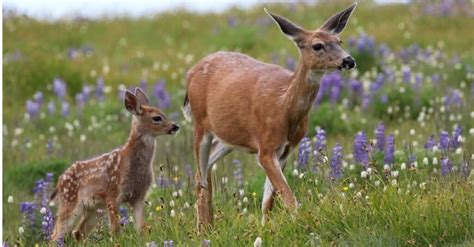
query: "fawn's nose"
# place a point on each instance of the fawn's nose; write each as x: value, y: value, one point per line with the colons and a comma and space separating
x: 348, y: 62
x: 175, y: 127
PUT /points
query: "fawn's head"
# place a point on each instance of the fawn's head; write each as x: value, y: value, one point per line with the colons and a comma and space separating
x: 149, y: 120
x: 320, y: 49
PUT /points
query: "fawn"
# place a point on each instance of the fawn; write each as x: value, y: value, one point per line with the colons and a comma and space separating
x: 123, y: 175
x: 238, y: 102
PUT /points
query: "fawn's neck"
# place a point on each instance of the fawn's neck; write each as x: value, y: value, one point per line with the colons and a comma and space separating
x: 141, y: 146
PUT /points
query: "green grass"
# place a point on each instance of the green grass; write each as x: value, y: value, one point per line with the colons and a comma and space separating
x: 165, y: 46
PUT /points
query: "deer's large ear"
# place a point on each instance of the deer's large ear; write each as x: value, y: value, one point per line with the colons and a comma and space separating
x: 132, y: 104
x: 338, y: 22
x: 141, y: 96
x: 288, y: 28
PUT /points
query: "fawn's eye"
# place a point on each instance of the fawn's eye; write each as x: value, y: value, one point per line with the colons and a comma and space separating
x: 318, y: 47
x: 157, y: 119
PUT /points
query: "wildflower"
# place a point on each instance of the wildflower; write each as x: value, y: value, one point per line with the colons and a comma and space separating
x: 303, y: 152
x: 435, y: 161
x: 258, y: 242
x: 430, y: 143
x: 380, y: 137
x: 444, y: 140
x: 206, y: 243
x: 10, y: 199
x: 161, y: 95
x: 172, y: 203
x: 403, y: 166
x: 158, y: 208
x: 386, y: 168
x: 377, y: 183
x: 394, y: 174
x: 455, y: 143
x: 245, y: 200
x: 238, y: 174
x: 59, y: 88
x: 412, y: 132
x: 446, y: 166
x: 295, y: 173
x: 361, y: 152
x: 336, y: 160
x: 254, y: 194
x: 459, y: 151
x: 21, y: 230
x: 394, y: 182
x: 172, y: 213
x: 124, y: 219
x: 351, y: 185
x: 471, y: 131
x: 168, y: 243
x: 244, y: 211
x: 363, y: 174
x: 389, y: 150
x: 425, y: 161
x: 47, y: 222
x: 319, y: 146
x: 64, y: 109
x: 32, y: 108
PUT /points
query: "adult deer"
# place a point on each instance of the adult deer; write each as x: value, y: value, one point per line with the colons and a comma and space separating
x: 238, y: 102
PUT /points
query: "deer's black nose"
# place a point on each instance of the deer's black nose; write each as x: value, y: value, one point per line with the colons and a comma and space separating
x: 175, y: 127
x: 348, y: 62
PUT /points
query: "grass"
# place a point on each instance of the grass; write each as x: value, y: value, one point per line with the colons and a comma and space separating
x: 422, y: 208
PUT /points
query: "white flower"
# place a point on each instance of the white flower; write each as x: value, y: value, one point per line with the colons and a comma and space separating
x: 435, y: 161
x: 423, y: 185
x: 425, y: 161
x: 358, y: 194
x: 415, y: 164
x: 351, y: 185
x: 10, y: 199
x: 352, y: 167
x: 377, y: 183
x: 472, y: 156
x: 180, y: 192
x: 394, y: 182
x: 301, y: 176
x: 172, y: 203
x: 386, y: 167
x: 172, y: 213
x: 83, y: 138
x: 245, y: 200
x: 369, y: 170
x: 224, y: 180
x: 186, y: 205
x: 43, y: 210
x: 459, y: 151
x: 435, y: 148
x: 363, y: 174
x: 295, y: 173
x: 471, y: 131
x: 18, y: 131
x: 460, y: 139
x: 241, y: 192
x: 403, y: 166
x: 244, y: 211
x: 412, y: 132
x: 175, y: 194
x: 21, y: 230
x: 258, y: 242
x: 394, y: 174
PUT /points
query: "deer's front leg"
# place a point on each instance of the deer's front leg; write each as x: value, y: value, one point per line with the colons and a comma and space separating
x: 112, y: 207
x: 269, y: 162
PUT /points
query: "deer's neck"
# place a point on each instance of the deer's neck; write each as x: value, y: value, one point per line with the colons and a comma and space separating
x: 302, y: 91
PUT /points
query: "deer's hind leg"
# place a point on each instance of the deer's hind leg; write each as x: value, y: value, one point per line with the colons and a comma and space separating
x: 68, y: 214
x: 86, y: 224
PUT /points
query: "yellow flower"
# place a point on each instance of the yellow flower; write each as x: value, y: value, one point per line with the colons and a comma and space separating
x: 158, y: 208
x: 254, y: 194
x: 345, y: 188
x: 37, y: 245
x: 175, y: 179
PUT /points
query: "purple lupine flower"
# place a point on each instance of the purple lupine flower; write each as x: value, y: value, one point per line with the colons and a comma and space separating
x: 72, y: 53
x: 418, y: 81
x: 380, y: 137
x: 303, y: 152
x: 28, y: 210
x: 361, y: 149
x: 64, y: 109
x: 356, y: 86
x: 319, y: 147
x: 206, y: 243
x: 456, y: 134
x: 124, y: 220
x: 336, y: 162
x: 51, y: 107
x: 444, y: 140
x: 162, y: 182
x: 100, y: 89
x: 47, y: 224
x: 406, y: 74
x: 377, y: 84
x: 430, y: 143
x: 32, y: 108
x: 168, y: 243
x: 143, y: 85
x: 333, y: 79
x: 38, y: 97
x: 365, y: 101
x: 454, y: 99
x: 161, y: 95
x: 238, y: 174
x: 465, y: 169
x: 389, y: 150
x: 152, y: 244
x: 446, y: 166
x: 232, y: 21
x: 59, y: 88
x: 290, y: 63
x: 60, y: 242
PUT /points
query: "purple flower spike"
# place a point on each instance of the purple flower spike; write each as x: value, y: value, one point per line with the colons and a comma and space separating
x: 59, y: 88
x: 303, y: 152
x: 389, y: 150
x: 380, y: 137
x: 361, y: 149
x: 336, y: 162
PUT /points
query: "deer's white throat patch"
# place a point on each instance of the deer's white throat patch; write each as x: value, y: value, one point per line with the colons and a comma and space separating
x: 315, y: 76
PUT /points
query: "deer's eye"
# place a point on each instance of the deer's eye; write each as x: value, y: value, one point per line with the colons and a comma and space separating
x: 318, y: 47
x: 157, y: 119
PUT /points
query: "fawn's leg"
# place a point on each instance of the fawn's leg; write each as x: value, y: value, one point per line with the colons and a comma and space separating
x: 112, y: 207
x: 139, y: 214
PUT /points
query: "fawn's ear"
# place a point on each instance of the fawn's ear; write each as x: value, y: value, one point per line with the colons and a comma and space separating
x: 338, y: 22
x: 141, y: 96
x: 288, y: 28
x: 132, y: 104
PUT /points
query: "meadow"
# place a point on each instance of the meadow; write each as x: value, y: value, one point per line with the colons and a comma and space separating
x: 387, y: 160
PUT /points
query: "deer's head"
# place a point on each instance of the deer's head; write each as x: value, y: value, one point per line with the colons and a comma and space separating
x: 320, y: 49
x: 149, y: 120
